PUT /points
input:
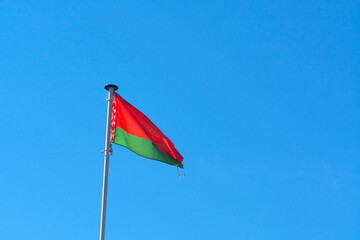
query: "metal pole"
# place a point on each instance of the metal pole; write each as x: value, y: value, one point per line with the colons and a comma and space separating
x: 111, y: 88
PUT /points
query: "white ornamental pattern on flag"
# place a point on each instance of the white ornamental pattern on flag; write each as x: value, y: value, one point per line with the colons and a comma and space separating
x: 113, y: 120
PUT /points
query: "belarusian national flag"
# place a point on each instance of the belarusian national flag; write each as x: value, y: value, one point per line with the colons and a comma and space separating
x: 132, y: 129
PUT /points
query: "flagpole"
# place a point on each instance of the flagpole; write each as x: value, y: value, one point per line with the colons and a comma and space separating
x: 111, y: 88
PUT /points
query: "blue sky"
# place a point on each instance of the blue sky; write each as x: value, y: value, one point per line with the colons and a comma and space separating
x: 261, y: 98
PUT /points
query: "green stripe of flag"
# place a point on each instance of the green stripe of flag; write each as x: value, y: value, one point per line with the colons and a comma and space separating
x: 143, y: 147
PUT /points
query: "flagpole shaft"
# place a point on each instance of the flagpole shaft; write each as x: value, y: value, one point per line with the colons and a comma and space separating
x: 107, y: 152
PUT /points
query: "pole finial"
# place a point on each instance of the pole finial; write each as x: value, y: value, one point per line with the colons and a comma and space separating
x: 108, y: 86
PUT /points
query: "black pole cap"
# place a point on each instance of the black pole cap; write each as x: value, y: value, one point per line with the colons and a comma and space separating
x: 108, y: 86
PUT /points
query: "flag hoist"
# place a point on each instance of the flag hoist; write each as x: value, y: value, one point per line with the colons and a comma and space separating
x: 129, y: 127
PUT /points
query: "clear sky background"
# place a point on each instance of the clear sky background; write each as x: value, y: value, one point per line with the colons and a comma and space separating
x: 262, y: 98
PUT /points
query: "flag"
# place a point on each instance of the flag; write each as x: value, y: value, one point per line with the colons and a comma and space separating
x: 133, y: 130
